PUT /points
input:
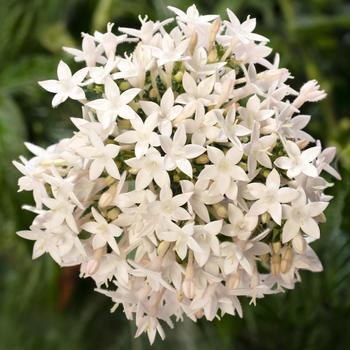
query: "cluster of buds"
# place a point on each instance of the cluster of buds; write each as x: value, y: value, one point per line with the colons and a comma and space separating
x: 189, y: 181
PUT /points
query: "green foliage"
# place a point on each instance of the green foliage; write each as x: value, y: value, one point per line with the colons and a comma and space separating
x: 43, y: 307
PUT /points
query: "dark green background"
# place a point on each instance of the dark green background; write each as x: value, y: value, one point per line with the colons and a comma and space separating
x: 43, y: 307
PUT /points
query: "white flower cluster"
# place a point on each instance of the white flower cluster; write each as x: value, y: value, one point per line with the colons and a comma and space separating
x: 189, y: 181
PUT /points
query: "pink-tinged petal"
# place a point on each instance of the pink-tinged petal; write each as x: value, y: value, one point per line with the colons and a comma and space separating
x: 238, y: 173
x: 126, y: 112
x: 290, y: 230
x: 311, y: 228
x: 310, y: 170
x: 128, y: 137
x: 96, y: 169
x: 112, y: 169
x: 185, y: 166
x: 283, y: 162
x: 51, y: 85
x: 63, y: 71
x: 286, y: 195
x: 275, y: 210
x: 193, y: 151
x: 189, y: 84
x: 58, y: 99
x: 310, y: 154
x: 273, y: 180
x: 316, y: 208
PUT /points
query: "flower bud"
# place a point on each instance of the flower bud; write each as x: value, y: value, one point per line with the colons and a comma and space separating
x: 299, y: 244
x: 203, y: 159
x: 233, y: 280
x: 188, y: 288
x: 107, y: 197
x: 220, y: 211
x: 276, y: 247
x: 113, y: 214
x: 275, y: 264
x: 265, y: 217
x: 287, y: 259
x: 178, y: 76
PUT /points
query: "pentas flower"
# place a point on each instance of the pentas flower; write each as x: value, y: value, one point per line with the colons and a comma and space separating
x: 184, y: 175
x: 270, y: 196
x: 67, y: 85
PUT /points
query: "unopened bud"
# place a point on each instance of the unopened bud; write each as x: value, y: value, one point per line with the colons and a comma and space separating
x: 215, y: 27
x: 233, y: 280
x: 124, y: 85
x: 113, y: 214
x: 153, y: 93
x: 107, y: 197
x: 199, y: 314
x: 193, y: 43
x: 124, y: 124
x: 299, y: 244
x: 203, y: 159
x: 212, y: 56
x: 162, y: 248
x: 287, y: 259
x: 133, y: 171
x: 178, y: 76
x: 188, y: 288
x: 265, y: 218
x: 276, y: 247
x: 275, y: 264
x: 302, y: 144
x: 220, y: 211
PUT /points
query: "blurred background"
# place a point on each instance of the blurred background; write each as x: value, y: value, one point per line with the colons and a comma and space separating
x: 43, y: 307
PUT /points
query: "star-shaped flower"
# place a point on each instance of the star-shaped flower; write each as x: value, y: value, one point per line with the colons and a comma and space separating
x: 114, y: 103
x: 300, y: 216
x: 178, y: 153
x: 298, y: 162
x: 67, y: 85
x: 143, y: 134
x: 270, y: 196
x: 103, y: 231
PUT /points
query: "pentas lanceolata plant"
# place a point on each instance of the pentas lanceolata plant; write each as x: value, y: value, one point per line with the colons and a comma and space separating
x: 189, y: 180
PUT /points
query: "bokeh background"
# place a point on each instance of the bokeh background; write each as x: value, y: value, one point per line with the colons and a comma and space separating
x: 43, y: 307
